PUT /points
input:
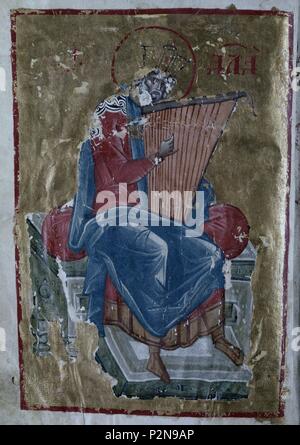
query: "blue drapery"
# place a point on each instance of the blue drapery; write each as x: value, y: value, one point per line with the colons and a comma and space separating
x: 161, y: 274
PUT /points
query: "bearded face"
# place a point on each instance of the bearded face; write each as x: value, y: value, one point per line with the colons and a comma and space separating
x: 156, y: 86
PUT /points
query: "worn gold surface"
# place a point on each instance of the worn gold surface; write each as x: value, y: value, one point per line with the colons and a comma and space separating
x: 249, y: 170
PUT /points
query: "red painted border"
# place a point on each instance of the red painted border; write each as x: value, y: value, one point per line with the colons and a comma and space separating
x: 16, y: 193
x: 14, y: 14
x: 138, y: 11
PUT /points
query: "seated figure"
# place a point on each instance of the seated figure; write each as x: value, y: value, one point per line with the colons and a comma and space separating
x: 162, y: 276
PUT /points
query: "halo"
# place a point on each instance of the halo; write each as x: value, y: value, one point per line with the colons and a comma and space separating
x: 161, y: 28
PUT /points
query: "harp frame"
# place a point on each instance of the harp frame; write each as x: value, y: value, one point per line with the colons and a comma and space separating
x: 162, y: 106
x: 203, y: 100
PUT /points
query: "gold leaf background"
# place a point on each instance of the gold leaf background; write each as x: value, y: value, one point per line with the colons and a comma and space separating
x: 56, y: 97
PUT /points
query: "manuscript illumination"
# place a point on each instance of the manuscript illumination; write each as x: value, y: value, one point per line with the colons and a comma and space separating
x: 142, y: 317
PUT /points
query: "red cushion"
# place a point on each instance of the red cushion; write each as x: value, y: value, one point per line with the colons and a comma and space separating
x: 228, y: 228
x: 55, y: 231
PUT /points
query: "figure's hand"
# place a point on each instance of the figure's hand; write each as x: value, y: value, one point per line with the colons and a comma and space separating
x: 166, y: 147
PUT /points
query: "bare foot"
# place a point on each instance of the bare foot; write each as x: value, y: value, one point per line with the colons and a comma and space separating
x: 235, y: 354
x: 157, y: 367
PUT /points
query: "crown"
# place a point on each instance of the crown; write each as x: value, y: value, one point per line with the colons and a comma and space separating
x: 166, y: 57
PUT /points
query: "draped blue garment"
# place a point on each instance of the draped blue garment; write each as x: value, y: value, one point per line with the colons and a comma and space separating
x: 161, y: 274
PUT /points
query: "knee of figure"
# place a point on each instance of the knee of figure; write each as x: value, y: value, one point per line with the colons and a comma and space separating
x: 158, y: 245
x: 217, y: 257
x: 215, y: 250
x: 212, y: 250
x: 163, y: 248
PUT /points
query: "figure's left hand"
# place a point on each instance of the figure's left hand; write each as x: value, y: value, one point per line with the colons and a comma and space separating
x: 166, y: 147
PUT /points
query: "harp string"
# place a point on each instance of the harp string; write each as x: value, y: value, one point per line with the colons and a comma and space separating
x: 156, y: 172
x: 168, y: 166
x: 163, y: 173
x: 192, y: 143
x: 192, y: 155
x: 176, y: 160
x: 196, y: 130
x: 196, y: 168
x: 195, y: 135
x: 186, y: 151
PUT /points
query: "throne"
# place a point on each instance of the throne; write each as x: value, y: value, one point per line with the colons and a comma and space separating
x: 196, y: 368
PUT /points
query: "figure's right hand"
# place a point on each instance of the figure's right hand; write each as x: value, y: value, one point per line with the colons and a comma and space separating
x: 166, y: 147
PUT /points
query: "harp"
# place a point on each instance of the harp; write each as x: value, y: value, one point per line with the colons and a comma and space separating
x: 197, y: 125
